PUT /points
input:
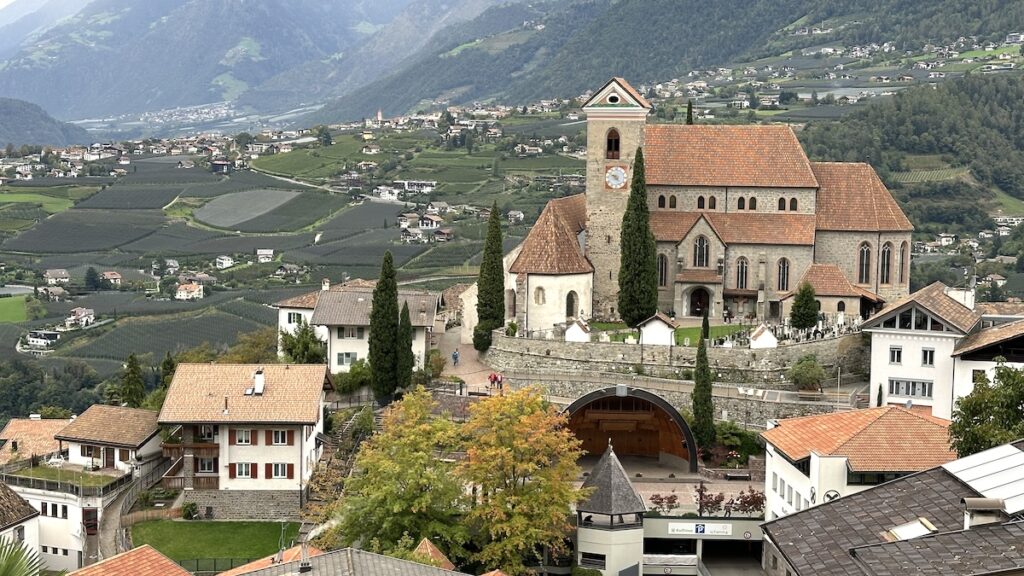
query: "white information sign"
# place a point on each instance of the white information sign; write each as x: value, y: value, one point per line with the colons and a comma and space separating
x: 699, y: 528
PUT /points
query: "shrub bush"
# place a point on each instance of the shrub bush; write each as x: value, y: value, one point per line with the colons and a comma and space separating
x: 190, y: 511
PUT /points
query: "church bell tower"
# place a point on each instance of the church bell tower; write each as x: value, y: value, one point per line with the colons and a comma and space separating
x: 616, y: 117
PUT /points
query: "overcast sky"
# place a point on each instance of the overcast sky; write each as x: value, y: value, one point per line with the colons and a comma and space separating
x: 5, y: 3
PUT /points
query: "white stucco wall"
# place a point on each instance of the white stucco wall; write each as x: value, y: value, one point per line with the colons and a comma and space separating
x: 621, y: 548
x: 361, y: 346
x: 150, y: 448
x: 543, y: 314
x: 963, y: 376
x: 302, y: 455
x: 31, y: 534
x: 912, y: 343
x: 657, y: 333
x: 306, y: 314
x: 788, y: 490
x: 469, y: 317
x: 58, y: 532
x: 575, y: 333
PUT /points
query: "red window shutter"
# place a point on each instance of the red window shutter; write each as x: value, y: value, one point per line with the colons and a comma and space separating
x: 291, y: 471
x: 231, y: 471
x: 291, y: 437
x: 270, y: 437
x: 269, y: 470
x: 216, y: 465
x: 254, y: 470
x: 254, y: 437
x: 231, y: 437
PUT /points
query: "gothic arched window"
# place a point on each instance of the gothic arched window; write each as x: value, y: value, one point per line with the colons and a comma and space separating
x: 782, y: 281
x: 700, y: 202
x: 885, y: 264
x: 661, y: 201
x: 672, y: 201
x: 701, y: 252
x: 741, y: 273
x: 612, y: 147
x: 752, y: 204
x: 904, y: 263
x: 864, y: 264
x: 741, y: 203
x: 662, y: 270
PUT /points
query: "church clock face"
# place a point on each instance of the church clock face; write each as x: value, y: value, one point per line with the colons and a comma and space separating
x: 615, y: 177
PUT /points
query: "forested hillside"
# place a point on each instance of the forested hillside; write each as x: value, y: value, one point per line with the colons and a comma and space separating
x: 581, y: 43
x: 976, y: 122
x: 25, y: 123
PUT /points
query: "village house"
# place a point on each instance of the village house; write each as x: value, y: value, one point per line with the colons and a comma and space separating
x: 386, y: 193
x: 955, y: 519
x: 19, y: 520
x: 23, y: 438
x: 370, y: 150
x: 407, y: 219
x: 53, y: 293
x: 414, y: 236
x: 114, y: 278
x: 815, y: 459
x: 56, y: 276
x: 112, y: 437
x: 245, y: 439
x: 431, y: 221
x: 189, y: 292
x: 658, y: 330
x: 341, y: 315
x: 42, y: 338
x: 438, y: 208
x: 80, y: 318
x: 143, y: 560
x: 222, y: 262
x: 264, y: 255
x: 515, y: 216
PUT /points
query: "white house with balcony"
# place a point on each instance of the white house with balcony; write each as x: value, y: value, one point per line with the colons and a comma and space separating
x: 245, y: 439
x: 929, y: 348
x: 19, y: 521
x: 112, y: 437
x: 811, y: 460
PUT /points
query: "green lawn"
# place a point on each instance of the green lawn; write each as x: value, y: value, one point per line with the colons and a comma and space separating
x: 13, y: 309
x: 58, y: 474
x: 185, y: 540
x: 1008, y: 204
x: 716, y: 332
x: 49, y: 203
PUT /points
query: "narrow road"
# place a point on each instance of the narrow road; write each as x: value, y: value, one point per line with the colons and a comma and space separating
x: 108, y: 525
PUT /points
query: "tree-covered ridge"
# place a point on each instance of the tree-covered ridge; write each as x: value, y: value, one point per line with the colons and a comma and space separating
x: 25, y: 123
x: 975, y: 122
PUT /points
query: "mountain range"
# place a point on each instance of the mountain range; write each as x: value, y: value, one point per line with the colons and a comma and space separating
x: 102, y: 58
x: 25, y: 123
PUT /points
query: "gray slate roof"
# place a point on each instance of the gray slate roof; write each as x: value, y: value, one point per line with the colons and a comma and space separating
x: 980, y: 550
x: 13, y: 508
x: 817, y: 541
x: 353, y: 562
x: 351, y: 307
x: 613, y: 492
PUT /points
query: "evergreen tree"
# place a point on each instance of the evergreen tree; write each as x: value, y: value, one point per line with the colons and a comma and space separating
x: 638, y: 274
x: 384, y: 331
x: 167, y: 368
x: 133, y: 388
x: 490, y: 304
x: 406, y: 358
x: 703, y: 404
x: 92, y: 279
x: 804, y: 313
x: 705, y: 328
x: 302, y: 345
x: 689, y: 111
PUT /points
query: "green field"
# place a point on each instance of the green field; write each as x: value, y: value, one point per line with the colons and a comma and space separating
x: 198, y: 539
x: 13, y: 309
x: 1009, y: 205
x: 51, y: 204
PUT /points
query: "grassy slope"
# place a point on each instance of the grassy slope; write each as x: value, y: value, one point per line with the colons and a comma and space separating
x: 13, y: 309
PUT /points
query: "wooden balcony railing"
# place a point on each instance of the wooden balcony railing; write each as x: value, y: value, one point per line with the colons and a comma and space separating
x: 175, y: 450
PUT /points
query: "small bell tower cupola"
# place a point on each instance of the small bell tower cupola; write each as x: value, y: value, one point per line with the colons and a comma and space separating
x: 610, y: 523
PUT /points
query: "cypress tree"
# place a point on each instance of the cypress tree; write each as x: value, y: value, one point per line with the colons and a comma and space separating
x: 705, y: 328
x: 406, y: 359
x: 689, y: 111
x: 638, y: 273
x: 490, y: 304
x: 384, y: 331
x: 133, y: 389
x: 703, y: 405
x: 804, y: 313
x: 167, y: 368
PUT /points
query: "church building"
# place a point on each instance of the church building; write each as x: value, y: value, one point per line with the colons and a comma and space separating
x: 740, y: 215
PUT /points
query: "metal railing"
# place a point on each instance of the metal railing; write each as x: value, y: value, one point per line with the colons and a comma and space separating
x: 67, y: 487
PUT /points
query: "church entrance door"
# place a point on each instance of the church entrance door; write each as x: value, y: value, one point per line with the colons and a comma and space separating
x: 699, y: 299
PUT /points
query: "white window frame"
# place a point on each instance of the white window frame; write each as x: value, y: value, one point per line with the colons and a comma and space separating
x: 284, y: 438
x: 928, y: 357
x: 202, y: 432
x: 896, y: 355
x: 294, y: 317
x: 243, y: 470
x: 279, y: 471
x: 243, y: 437
x: 210, y: 464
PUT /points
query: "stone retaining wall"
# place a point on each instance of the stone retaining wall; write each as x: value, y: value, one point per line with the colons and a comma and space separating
x: 269, y: 505
x: 764, y: 368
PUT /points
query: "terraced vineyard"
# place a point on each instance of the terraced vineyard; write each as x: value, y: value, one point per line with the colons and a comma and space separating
x: 917, y: 176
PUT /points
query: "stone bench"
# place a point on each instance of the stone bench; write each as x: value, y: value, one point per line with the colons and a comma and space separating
x: 737, y: 476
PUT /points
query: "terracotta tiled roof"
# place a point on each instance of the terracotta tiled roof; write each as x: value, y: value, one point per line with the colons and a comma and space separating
x: 1000, y: 308
x: 141, y: 561
x: 872, y: 440
x: 738, y: 227
x: 291, y: 394
x: 13, y: 508
x: 934, y: 299
x: 852, y: 197
x: 552, y: 246
x: 290, y: 555
x: 113, y: 426
x: 305, y: 301
x: 32, y: 437
x: 719, y: 155
x: 427, y: 548
x: 989, y: 337
x: 829, y: 280
x: 698, y: 276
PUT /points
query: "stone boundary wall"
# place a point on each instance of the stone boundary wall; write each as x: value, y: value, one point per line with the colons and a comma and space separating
x: 268, y: 505
x: 764, y: 369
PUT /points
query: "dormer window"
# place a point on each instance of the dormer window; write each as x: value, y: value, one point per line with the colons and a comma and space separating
x: 612, y: 148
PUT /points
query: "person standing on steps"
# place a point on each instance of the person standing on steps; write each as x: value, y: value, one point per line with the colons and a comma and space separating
x: 455, y: 358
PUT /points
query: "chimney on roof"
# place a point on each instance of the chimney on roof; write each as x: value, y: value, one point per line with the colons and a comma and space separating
x: 225, y: 404
x: 259, y: 382
x: 325, y: 284
x: 304, y: 564
x: 982, y: 511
